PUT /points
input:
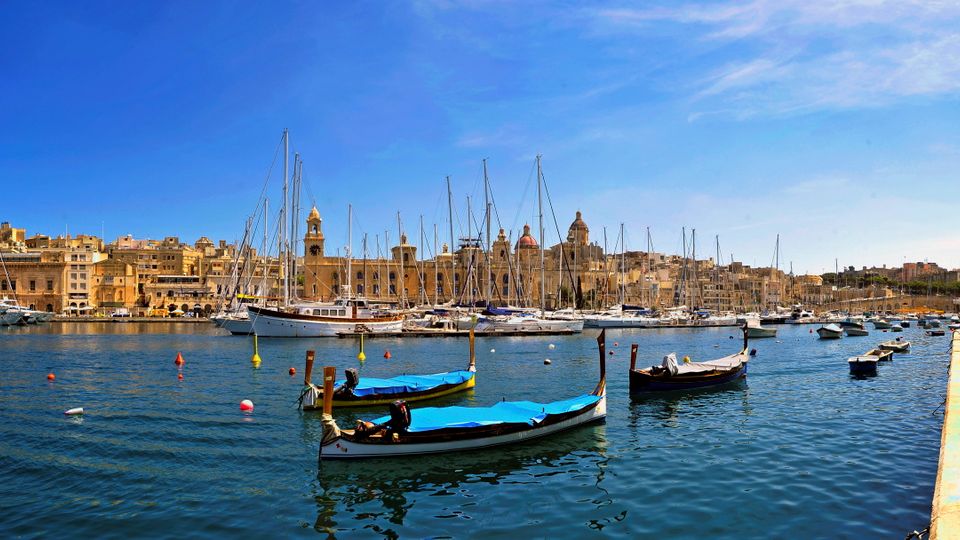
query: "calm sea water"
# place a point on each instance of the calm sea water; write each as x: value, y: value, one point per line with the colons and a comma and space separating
x: 801, y: 450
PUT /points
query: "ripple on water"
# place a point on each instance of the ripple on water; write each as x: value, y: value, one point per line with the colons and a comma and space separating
x: 799, y: 450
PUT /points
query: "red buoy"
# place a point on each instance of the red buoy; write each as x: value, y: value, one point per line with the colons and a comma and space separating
x: 51, y: 376
x: 180, y: 376
x: 293, y: 371
x: 246, y: 405
x: 616, y: 344
x: 387, y: 355
x: 179, y: 360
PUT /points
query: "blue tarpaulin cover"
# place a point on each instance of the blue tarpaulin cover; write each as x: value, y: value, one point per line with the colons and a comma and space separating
x: 506, y: 412
x: 407, y: 383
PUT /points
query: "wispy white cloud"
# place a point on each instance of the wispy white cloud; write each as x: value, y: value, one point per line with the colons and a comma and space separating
x: 794, y: 56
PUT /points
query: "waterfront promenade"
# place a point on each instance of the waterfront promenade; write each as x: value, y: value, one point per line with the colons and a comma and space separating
x: 945, y: 517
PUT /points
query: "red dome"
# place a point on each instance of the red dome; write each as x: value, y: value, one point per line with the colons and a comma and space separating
x: 526, y: 241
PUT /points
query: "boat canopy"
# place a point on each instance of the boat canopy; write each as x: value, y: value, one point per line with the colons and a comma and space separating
x: 407, y: 383
x: 505, y: 412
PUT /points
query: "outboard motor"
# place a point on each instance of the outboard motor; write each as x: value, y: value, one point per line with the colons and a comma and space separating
x: 353, y: 379
x: 399, y: 416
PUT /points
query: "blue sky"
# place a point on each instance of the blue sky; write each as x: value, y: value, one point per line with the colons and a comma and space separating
x: 834, y: 124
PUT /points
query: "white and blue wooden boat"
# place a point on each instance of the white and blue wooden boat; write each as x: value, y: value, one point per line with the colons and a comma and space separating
x: 434, y: 430
x: 357, y: 391
x: 854, y: 331
x: 881, y: 324
x: 830, y: 331
x: 671, y: 375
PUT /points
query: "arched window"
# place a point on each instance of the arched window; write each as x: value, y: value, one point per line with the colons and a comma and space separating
x: 503, y: 254
x: 406, y: 257
x: 506, y: 279
x: 439, y: 277
x: 393, y: 276
x: 360, y: 275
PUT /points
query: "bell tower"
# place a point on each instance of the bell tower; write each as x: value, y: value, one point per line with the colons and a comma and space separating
x: 313, y: 239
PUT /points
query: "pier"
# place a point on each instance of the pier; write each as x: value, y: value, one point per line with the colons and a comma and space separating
x: 945, y: 517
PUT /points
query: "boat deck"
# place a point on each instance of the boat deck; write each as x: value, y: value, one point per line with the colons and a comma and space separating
x: 458, y: 333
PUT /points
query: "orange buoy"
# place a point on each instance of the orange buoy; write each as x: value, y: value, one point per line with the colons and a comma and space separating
x: 293, y: 371
x: 180, y: 376
x: 179, y: 360
x: 616, y: 344
x: 246, y: 405
x: 387, y: 355
x: 51, y: 376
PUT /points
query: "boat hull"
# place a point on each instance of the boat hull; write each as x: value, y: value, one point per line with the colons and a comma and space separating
x: 642, y: 383
x: 853, y: 331
x: 755, y: 332
x: 313, y: 397
x: 270, y: 323
x: 342, y: 448
x: 237, y: 327
x: 862, y: 366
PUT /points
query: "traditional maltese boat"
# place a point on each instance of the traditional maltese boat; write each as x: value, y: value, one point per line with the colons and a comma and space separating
x: 433, y: 430
x: 671, y: 375
x: 357, y: 391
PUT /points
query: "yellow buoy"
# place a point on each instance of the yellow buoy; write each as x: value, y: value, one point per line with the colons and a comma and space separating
x: 686, y: 359
x: 360, y: 356
x: 255, y: 360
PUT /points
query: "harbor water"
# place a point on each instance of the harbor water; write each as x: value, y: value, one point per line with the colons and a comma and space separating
x: 799, y: 450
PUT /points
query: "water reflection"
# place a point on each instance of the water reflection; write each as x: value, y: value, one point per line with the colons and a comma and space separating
x: 347, y: 487
x: 669, y: 407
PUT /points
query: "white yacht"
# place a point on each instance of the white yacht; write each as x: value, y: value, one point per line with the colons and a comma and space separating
x: 323, y: 320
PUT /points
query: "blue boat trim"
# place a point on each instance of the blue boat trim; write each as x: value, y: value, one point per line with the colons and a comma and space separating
x: 529, y: 413
x: 405, y: 384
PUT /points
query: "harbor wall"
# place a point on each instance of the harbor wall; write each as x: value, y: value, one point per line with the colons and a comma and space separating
x: 945, y: 516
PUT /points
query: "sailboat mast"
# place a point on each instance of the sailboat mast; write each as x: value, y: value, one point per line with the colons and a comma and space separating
x: 283, y: 225
x: 623, y: 267
x: 365, y: 264
x: 543, y: 282
x: 402, y: 293
x: 696, y: 282
x: 606, y: 268
x: 349, y: 250
x: 717, y: 286
x: 486, y: 196
x: 453, y: 292
x: 649, y: 267
x: 263, y: 277
x: 436, y: 267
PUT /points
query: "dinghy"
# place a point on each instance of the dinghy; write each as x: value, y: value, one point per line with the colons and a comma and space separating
x: 854, y: 331
x: 830, y: 331
x: 434, y: 430
x: 863, y: 365
x: 896, y: 346
x: 357, y: 391
x: 671, y: 375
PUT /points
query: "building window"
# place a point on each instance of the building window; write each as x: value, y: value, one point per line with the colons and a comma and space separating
x: 33, y: 285
x: 393, y: 276
x: 406, y: 257
x: 376, y: 289
x: 49, y: 286
x: 359, y: 275
x: 50, y: 307
x: 506, y: 279
x: 73, y: 275
x: 393, y: 289
x: 360, y: 288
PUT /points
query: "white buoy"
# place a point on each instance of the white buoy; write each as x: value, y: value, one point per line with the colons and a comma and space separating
x: 73, y: 412
x: 493, y: 350
x: 551, y: 346
x: 547, y: 362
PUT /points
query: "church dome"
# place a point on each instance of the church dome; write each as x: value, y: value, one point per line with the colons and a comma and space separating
x: 527, y: 240
x: 578, y: 223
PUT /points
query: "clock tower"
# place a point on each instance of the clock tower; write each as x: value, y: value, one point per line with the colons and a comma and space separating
x: 313, y: 240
